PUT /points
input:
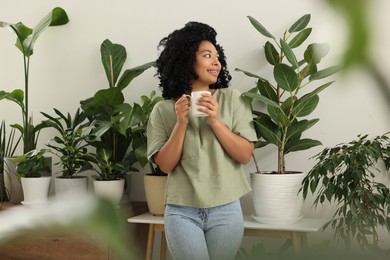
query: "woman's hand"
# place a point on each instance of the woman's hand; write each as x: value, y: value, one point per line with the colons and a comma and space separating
x: 182, y: 107
x: 210, y: 107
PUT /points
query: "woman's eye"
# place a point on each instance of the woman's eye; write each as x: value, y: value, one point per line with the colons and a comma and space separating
x: 208, y: 56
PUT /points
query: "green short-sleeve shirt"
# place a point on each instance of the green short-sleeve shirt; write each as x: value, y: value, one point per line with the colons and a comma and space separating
x: 206, y: 175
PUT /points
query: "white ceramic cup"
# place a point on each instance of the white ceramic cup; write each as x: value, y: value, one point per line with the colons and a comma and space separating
x: 194, y: 98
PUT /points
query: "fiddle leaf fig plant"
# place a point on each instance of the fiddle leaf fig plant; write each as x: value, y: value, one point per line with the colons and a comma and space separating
x: 345, y: 175
x: 288, y: 96
x: 25, y: 42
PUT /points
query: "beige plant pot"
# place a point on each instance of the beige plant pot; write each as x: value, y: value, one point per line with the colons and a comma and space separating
x: 275, y: 197
x: 155, y: 193
x: 112, y: 190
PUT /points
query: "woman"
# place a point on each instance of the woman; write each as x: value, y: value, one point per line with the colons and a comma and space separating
x: 203, y: 155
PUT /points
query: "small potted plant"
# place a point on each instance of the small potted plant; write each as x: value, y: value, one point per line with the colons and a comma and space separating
x: 30, y: 168
x: 346, y: 175
x: 70, y: 147
x: 288, y: 99
x: 25, y: 41
x: 111, y: 117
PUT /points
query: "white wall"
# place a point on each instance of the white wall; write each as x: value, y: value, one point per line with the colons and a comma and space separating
x: 66, y: 67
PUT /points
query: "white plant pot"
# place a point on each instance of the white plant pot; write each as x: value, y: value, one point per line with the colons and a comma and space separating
x: 155, y: 193
x: 70, y: 188
x: 275, y: 197
x: 36, y: 190
x: 112, y: 190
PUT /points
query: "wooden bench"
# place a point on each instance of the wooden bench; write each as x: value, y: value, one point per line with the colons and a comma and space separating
x: 297, y: 232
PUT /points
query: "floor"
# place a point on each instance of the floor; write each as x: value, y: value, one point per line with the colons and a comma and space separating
x: 66, y: 246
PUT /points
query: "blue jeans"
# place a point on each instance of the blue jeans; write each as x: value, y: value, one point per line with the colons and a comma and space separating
x: 204, y: 233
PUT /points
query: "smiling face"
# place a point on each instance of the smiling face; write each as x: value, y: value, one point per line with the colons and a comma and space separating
x: 207, y: 66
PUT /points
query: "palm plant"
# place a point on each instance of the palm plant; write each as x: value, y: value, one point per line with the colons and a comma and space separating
x: 25, y: 41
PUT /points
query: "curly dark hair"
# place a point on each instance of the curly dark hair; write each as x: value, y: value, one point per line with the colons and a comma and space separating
x: 175, y: 65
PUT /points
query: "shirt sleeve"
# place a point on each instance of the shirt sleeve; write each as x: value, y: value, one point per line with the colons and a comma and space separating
x: 156, y: 133
x: 243, y: 119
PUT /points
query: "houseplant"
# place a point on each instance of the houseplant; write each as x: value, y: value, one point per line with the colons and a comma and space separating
x: 30, y: 167
x: 111, y: 117
x: 345, y: 175
x: 8, y: 145
x: 288, y: 100
x: 25, y: 41
x: 70, y: 147
x: 155, y: 179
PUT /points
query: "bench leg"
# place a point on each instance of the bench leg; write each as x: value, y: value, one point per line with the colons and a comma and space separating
x: 149, y: 246
x: 163, y: 251
x: 299, y: 241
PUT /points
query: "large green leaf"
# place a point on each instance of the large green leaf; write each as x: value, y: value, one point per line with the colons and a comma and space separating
x: 131, y: 74
x: 300, y: 24
x: 260, y: 28
x: 113, y: 58
x: 261, y: 98
x: 110, y: 96
x: 26, y: 37
x: 140, y: 154
x: 305, y: 106
x: 268, y: 134
x: 303, y: 100
x: 289, y: 54
x: 250, y: 74
x: 279, y: 116
x: 271, y: 54
x: 299, y: 38
x: 325, y: 73
x: 302, y: 144
x: 16, y: 96
x: 315, y: 52
x: 266, y: 89
x: 286, y: 77
x: 298, y: 127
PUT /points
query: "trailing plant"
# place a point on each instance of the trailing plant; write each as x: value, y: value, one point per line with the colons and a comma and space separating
x: 25, y: 42
x: 345, y: 176
x: 288, y: 97
x: 110, y: 116
x: 70, y: 143
x: 32, y: 164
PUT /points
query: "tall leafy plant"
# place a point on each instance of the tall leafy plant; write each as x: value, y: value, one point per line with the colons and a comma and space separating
x: 111, y: 117
x: 288, y: 97
x: 25, y: 42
